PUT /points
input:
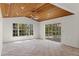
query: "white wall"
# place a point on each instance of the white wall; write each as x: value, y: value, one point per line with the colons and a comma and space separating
x: 7, y: 28
x: 70, y: 28
x: 0, y: 32
x: 0, y: 36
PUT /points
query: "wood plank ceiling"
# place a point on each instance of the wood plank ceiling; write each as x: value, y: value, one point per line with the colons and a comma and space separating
x: 36, y: 11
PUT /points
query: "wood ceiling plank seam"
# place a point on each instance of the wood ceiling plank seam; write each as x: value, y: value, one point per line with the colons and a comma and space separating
x: 9, y: 10
x: 36, y: 10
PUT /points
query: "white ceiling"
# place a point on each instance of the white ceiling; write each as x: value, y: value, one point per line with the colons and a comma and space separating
x: 72, y: 7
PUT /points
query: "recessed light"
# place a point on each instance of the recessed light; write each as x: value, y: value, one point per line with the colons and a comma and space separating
x: 22, y: 7
x: 48, y: 14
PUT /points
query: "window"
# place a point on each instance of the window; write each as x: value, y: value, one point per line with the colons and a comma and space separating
x: 52, y: 29
x: 15, y: 29
x: 22, y: 29
x: 31, y: 29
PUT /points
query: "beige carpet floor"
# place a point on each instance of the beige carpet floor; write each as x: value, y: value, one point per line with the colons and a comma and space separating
x: 38, y: 48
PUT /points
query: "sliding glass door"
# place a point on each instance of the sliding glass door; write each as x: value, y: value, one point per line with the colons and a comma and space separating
x: 53, y: 32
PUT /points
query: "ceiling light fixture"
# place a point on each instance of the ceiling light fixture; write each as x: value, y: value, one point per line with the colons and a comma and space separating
x: 34, y: 17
